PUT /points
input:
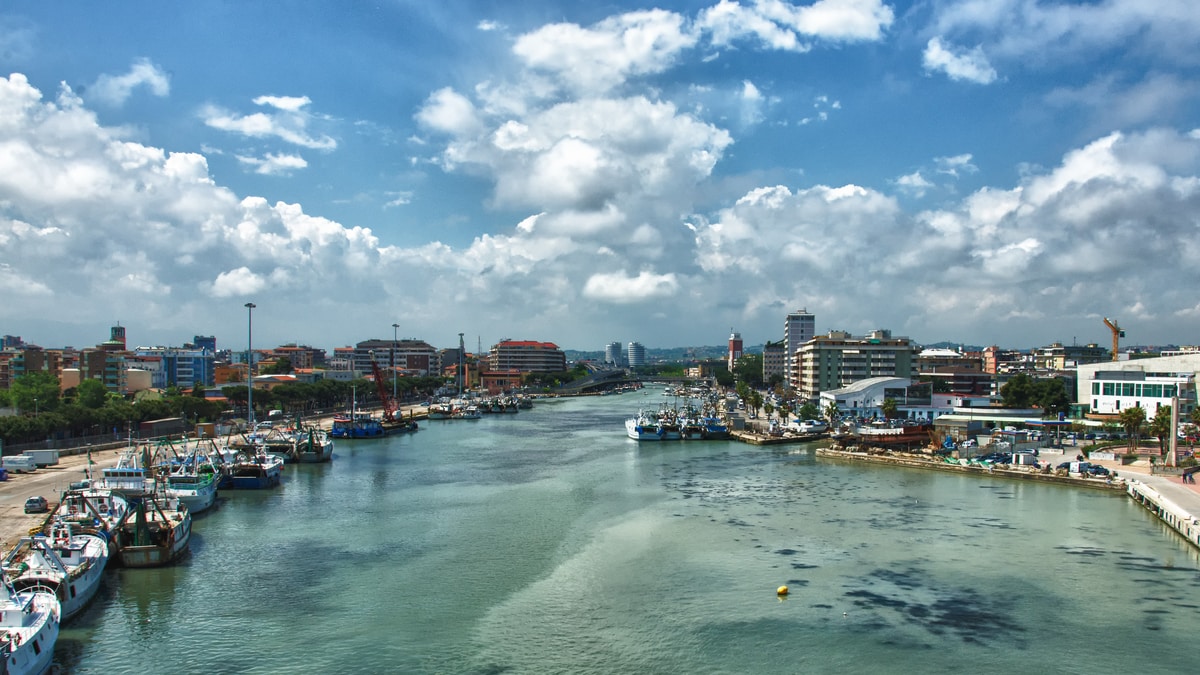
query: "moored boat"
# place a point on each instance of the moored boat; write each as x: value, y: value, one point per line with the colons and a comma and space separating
x: 155, y: 531
x: 29, y: 625
x: 356, y: 425
x: 313, y: 446
x: 68, y: 563
x: 254, y: 471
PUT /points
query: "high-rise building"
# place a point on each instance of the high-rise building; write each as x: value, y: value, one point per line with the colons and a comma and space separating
x: 527, y: 356
x: 798, y: 328
x: 838, y: 359
x: 773, y: 360
x: 612, y: 353
x: 636, y: 354
x: 735, y: 348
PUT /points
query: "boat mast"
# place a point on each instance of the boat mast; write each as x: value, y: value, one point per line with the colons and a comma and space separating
x: 250, y: 363
x: 462, y: 349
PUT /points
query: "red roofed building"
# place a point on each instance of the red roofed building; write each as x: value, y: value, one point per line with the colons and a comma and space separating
x: 527, y: 356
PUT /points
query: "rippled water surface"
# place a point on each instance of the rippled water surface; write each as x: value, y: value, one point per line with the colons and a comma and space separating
x: 548, y: 542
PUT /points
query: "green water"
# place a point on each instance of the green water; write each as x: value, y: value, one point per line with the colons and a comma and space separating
x: 548, y: 542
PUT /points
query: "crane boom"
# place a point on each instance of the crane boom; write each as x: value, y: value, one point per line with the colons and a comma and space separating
x: 389, y: 404
x: 1117, y: 334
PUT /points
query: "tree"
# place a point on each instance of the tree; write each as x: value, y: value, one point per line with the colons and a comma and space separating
x: 832, y: 412
x: 1018, y: 392
x: 808, y: 411
x: 1160, y: 426
x: 35, y: 391
x: 91, y: 394
x: 1051, y: 396
x: 888, y: 408
x: 748, y: 369
x: 1132, y: 420
x: 756, y: 401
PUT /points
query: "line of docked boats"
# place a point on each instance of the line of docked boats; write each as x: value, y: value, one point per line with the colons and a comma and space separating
x: 689, y: 423
x: 137, y: 513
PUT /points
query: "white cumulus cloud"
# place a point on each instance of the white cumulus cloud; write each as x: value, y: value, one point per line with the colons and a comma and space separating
x: 970, y: 65
x: 114, y: 90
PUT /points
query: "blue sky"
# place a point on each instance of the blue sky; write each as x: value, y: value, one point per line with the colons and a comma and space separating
x: 983, y: 171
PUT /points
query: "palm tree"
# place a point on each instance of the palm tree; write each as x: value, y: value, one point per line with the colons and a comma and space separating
x: 1132, y: 420
x: 832, y: 412
x: 888, y: 408
x: 1160, y: 426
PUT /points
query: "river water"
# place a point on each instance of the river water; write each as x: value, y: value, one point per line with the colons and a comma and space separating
x: 549, y: 542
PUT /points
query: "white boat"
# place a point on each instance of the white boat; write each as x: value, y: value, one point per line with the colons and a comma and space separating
x: 313, y: 446
x: 194, y: 482
x: 649, y: 426
x: 154, y: 532
x: 128, y: 476
x: 68, y: 563
x: 469, y: 412
x: 92, y: 510
x: 29, y: 624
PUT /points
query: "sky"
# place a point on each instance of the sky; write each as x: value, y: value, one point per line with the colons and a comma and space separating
x: 1001, y: 172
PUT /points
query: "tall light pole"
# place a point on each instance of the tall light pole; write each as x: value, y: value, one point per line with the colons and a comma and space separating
x: 250, y: 362
x: 395, y: 328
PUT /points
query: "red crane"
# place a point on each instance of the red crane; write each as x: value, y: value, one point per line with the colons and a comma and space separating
x: 389, y: 406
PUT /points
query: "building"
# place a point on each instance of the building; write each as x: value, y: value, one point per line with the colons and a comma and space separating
x: 177, y: 367
x: 526, y: 356
x: 774, y: 361
x: 996, y: 360
x: 954, y: 372
x: 865, y: 398
x: 1060, y: 357
x: 613, y: 354
x: 839, y: 359
x: 798, y: 328
x: 735, y: 349
x: 302, y: 357
x: 408, y: 354
x: 635, y: 355
x: 1109, y: 387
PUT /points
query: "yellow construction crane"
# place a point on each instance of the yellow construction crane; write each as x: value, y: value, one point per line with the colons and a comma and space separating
x: 1117, y: 334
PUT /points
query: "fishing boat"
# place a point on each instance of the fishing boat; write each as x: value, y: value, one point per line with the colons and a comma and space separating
x: 67, y: 563
x: 193, y: 481
x: 91, y: 510
x: 154, y: 532
x: 129, y: 476
x: 356, y: 425
x: 313, y: 446
x: 440, y: 411
x: 468, y: 412
x: 645, y: 426
x: 29, y: 625
x: 254, y: 471
x: 714, y: 429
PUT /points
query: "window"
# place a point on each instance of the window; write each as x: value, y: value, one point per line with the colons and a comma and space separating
x: 1127, y: 389
x: 1109, y: 388
x: 1095, y: 388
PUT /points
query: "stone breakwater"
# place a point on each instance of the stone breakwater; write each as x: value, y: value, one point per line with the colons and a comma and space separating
x: 917, y: 461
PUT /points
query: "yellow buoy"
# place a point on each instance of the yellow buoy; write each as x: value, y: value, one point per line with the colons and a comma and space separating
x: 782, y: 590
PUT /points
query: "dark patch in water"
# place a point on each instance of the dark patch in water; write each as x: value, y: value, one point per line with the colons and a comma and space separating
x: 822, y: 606
x: 797, y: 582
x: 787, y: 551
x: 803, y: 566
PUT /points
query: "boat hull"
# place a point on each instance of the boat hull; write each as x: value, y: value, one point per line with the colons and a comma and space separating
x: 33, y: 619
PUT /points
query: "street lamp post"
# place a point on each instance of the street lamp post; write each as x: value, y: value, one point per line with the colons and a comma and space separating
x: 250, y: 363
x: 35, y: 407
x: 395, y: 328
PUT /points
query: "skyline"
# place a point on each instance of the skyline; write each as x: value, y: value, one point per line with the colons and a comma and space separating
x: 1006, y: 172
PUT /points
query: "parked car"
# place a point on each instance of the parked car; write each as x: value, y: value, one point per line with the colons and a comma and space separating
x: 1097, y: 470
x: 36, y: 505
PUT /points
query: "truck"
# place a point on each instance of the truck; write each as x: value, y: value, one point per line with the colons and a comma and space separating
x: 43, y: 458
x: 19, y: 464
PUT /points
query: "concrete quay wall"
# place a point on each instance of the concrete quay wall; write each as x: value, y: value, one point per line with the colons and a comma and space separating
x: 998, y: 472
x: 1175, y: 516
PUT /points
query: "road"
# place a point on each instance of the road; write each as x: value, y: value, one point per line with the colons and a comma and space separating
x: 49, y: 483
